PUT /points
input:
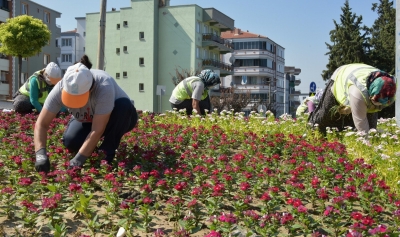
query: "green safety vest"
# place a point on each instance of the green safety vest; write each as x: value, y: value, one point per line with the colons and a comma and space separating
x: 43, y: 88
x: 183, y: 91
x: 353, y: 74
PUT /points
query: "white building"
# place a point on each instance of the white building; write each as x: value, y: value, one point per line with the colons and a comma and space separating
x: 72, y: 45
x: 259, y: 67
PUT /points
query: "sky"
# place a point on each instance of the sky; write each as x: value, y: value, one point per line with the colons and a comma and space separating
x: 300, y: 26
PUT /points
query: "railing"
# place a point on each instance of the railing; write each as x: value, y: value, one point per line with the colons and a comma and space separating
x: 216, y: 38
x: 218, y: 64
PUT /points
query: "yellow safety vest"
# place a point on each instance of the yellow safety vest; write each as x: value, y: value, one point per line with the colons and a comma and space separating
x: 43, y: 91
x: 353, y: 74
x: 183, y: 91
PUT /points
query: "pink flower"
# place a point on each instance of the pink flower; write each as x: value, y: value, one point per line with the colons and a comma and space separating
x: 213, y: 233
x: 244, y: 186
x: 25, y: 181
x: 147, y: 200
x: 180, y: 186
x: 356, y: 216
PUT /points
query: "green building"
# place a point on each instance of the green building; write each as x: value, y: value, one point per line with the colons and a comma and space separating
x: 147, y: 42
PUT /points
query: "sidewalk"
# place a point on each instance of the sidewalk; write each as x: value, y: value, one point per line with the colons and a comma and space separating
x: 6, y: 104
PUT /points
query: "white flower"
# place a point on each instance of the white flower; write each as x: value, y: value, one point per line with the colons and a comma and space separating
x: 385, y: 157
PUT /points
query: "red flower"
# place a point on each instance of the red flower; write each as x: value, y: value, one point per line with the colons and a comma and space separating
x: 356, y: 216
x: 25, y: 181
x: 180, y: 186
x: 244, y: 186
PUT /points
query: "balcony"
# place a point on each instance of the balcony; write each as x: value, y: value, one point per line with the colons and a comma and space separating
x: 218, y: 19
x: 297, y: 82
x: 213, y: 42
x: 225, y: 69
x: 254, y: 71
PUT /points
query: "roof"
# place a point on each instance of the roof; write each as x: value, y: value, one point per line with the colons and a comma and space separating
x: 237, y: 33
x: 70, y: 31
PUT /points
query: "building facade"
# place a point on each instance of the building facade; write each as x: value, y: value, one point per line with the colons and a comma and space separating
x: 259, y: 65
x: 147, y: 42
x: 72, y: 45
x: 292, y: 95
x: 50, y: 52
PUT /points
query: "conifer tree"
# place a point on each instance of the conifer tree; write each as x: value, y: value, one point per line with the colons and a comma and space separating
x: 383, y: 33
x: 349, y: 42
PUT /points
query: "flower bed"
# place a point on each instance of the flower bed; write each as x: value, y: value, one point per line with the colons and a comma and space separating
x: 216, y: 176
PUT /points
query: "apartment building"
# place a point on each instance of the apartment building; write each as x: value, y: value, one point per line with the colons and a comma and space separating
x: 292, y: 98
x: 50, y: 52
x: 148, y: 41
x: 259, y: 65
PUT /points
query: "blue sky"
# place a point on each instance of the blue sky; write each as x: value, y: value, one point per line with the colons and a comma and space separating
x: 300, y: 26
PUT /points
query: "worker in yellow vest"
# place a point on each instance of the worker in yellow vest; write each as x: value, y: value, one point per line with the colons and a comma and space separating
x: 353, y: 96
x: 309, y: 103
x: 35, y: 90
x: 192, y: 92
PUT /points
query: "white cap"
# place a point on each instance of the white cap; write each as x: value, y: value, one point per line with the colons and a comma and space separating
x: 76, y: 85
x: 52, y: 73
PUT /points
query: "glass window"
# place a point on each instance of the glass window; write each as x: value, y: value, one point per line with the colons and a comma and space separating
x: 24, y: 9
x: 46, y: 59
x: 141, y: 61
x: 46, y: 17
x: 66, y: 42
x: 206, y: 29
x: 197, y: 52
x: 66, y: 58
x: 141, y: 86
x: 198, y: 27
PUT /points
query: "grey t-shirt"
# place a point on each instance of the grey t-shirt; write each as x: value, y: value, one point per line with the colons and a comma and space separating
x: 101, y: 99
x: 198, y: 89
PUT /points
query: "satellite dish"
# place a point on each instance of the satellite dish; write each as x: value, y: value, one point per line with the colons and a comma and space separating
x: 262, y: 109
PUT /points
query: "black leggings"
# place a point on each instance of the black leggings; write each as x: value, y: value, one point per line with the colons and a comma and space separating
x: 187, y: 104
x: 123, y: 119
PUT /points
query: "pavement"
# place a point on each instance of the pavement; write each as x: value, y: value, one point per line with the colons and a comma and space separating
x: 6, y: 104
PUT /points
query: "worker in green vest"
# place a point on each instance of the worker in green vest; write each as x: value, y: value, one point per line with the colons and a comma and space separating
x: 35, y: 90
x: 192, y: 92
x: 353, y: 96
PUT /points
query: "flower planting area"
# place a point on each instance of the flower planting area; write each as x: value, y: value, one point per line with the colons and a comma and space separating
x: 221, y: 175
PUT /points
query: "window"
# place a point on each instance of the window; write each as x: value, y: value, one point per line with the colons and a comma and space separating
x: 125, y: 48
x: 84, y: 49
x: 3, y: 77
x: 141, y: 61
x: 46, y: 59
x: 125, y: 23
x: 141, y: 35
x: 63, y: 72
x: 118, y: 26
x: 205, y: 31
x: 117, y: 50
x: 66, y: 42
x: 46, y: 17
x: 125, y: 74
x: 57, y: 43
x: 84, y: 33
x: 197, y: 52
x: 141, y: 86
x: 24, y: 77
x: 66, y: 58
x: 198, y: 27
x: 117, y: 75
x: 24, y: 9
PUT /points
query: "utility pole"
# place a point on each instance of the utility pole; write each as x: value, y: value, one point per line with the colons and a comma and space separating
x: 102, y: 35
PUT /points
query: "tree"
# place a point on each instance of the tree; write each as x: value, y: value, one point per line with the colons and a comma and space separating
x: 383, y: 36
x: 349, y: 42
x: 23, y: 36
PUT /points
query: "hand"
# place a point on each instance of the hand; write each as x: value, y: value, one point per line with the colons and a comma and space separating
x: 77, y: 161
x: 42, y: 163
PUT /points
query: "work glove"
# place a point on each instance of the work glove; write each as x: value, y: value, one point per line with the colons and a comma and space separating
x: 42, y: 163
x: 77, y: 161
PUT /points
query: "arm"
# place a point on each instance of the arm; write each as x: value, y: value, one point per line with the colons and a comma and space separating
x: 41, y: 126
x: 196, y: 105
x: 34, y: 94
x: 98, y: 126
x: 358, y: 109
